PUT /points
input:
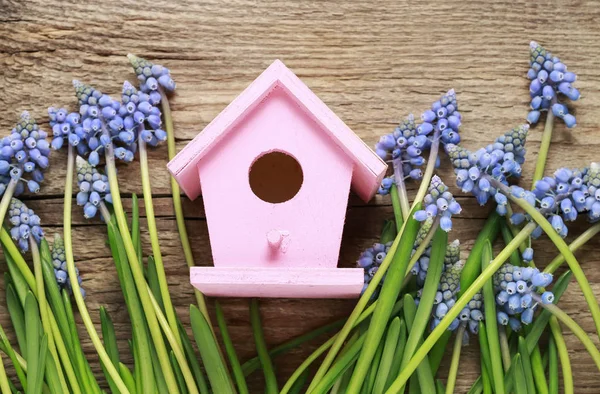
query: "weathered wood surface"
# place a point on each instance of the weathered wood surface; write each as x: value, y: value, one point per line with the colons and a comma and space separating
x: 371, y: 62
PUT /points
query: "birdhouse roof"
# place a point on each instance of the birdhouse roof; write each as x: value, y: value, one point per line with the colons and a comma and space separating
x: 368, y: 169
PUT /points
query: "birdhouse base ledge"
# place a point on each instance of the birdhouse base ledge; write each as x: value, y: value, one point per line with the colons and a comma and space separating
x: 278, y: 282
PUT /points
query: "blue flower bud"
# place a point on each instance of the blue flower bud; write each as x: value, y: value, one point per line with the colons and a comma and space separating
x: 527, y: 316
x: 548, y: 297
x: 533, y: 116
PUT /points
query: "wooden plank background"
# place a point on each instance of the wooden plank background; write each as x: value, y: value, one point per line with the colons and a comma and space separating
x: 371, y: 62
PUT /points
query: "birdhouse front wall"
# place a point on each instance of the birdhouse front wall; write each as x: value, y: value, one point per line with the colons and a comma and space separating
x: 246, y: 230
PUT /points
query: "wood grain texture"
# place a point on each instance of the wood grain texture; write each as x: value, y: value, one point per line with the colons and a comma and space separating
x: 371, y: 62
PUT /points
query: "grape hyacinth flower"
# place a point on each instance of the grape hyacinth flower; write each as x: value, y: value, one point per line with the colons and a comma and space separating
x: 94, y: 189
x: 371, y: 259
x: 140, y: 117
x: 407, y: 144
x: 549, y: 79
x: 419, y: 269
x: 439, y: 202
x: 501, y: 160
x: 152, y: 77
x: 101, y: 124
x: 406, y: 148
x: 515, y: 288
x: 562, y: 198
x: 24, y: 156
x: 23, y: 224
x: 60, y: 266
x: 66, y: 126
x: 445, y: 297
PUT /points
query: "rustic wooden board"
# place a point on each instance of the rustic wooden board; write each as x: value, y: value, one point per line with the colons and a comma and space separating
x: 372, y: 63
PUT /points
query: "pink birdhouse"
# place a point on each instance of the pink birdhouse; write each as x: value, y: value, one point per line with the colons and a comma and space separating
x: 275, y: 169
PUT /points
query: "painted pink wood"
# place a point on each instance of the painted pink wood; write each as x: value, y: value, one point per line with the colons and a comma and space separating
x: 310, y: 224
x: 288, y: 249
x: 368, y: 169
x: 274, y: 283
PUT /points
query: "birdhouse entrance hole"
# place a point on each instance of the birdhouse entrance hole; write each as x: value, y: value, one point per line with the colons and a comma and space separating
x: 275, y: 177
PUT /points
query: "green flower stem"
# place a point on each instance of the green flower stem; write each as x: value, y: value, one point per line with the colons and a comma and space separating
x: 136, y: 269
x: 341, y: 365
x: 6, y: 197
x: 537, y: 367
x: 177, y: 206
x: 526, y: 363
x: 261, y: 348
x: 563, y: 355
x: 388, y: 295
x: 544, y: 146
x: 4, y: 386
x: 458, y: 306
x: 504, y: 348
x: 423, y: 312
x: 401, y: 188
x: 321, y: 349
x: 188, y: 377
x: 85, y: 315
x: 230, y: 349
x: 361, y: 304
x: 491, y: 326
x: 433, y: 154
x: 43, y: 305
x: 254, y: 363
x: 398, y: 217
x: 552, y: 367
x: 32, y: 282
x: 486, y: 360
x: 142, y: 351
x: 154, y: 241
x: 576, y: 244
x: 562, y: 247
x: 451, y: 382
x: 10, y: 352
x: 472, y: 267
x: 387, y: 356
x: 573, y: 326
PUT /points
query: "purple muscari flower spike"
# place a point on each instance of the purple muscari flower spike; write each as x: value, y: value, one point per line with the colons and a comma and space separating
x: 24, y: 222
x: 140, y: 113
x: 60, y: 266
x: 500, y: 160
x: 24, y: 155
x: 93, y: 188
x: 563, y: 197
x: 151, y: 76
x: 439, y: 202
x: 409, y: 141
x: 514, y: 287
x: 549, y: 81
x: 101, y: 124
x: 371, y: 259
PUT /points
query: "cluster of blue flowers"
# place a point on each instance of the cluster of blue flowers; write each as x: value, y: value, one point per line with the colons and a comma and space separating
x: 24, y: 223
x: 563, y: 197
x: 549, y: 78
x: 152, y: 77
x: 371, y: 259
x: 93, y: 188
x: 141, y: 117
x: 408, y: 143
x: 445, y: 298
x: 66, y: 126
x: 24, y: 156
x: 102, y: 121
x: 500, y: 160
x: 60, y: 266
x: 514, y: 287
x: 419, y: 269
x: 439, y: 202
